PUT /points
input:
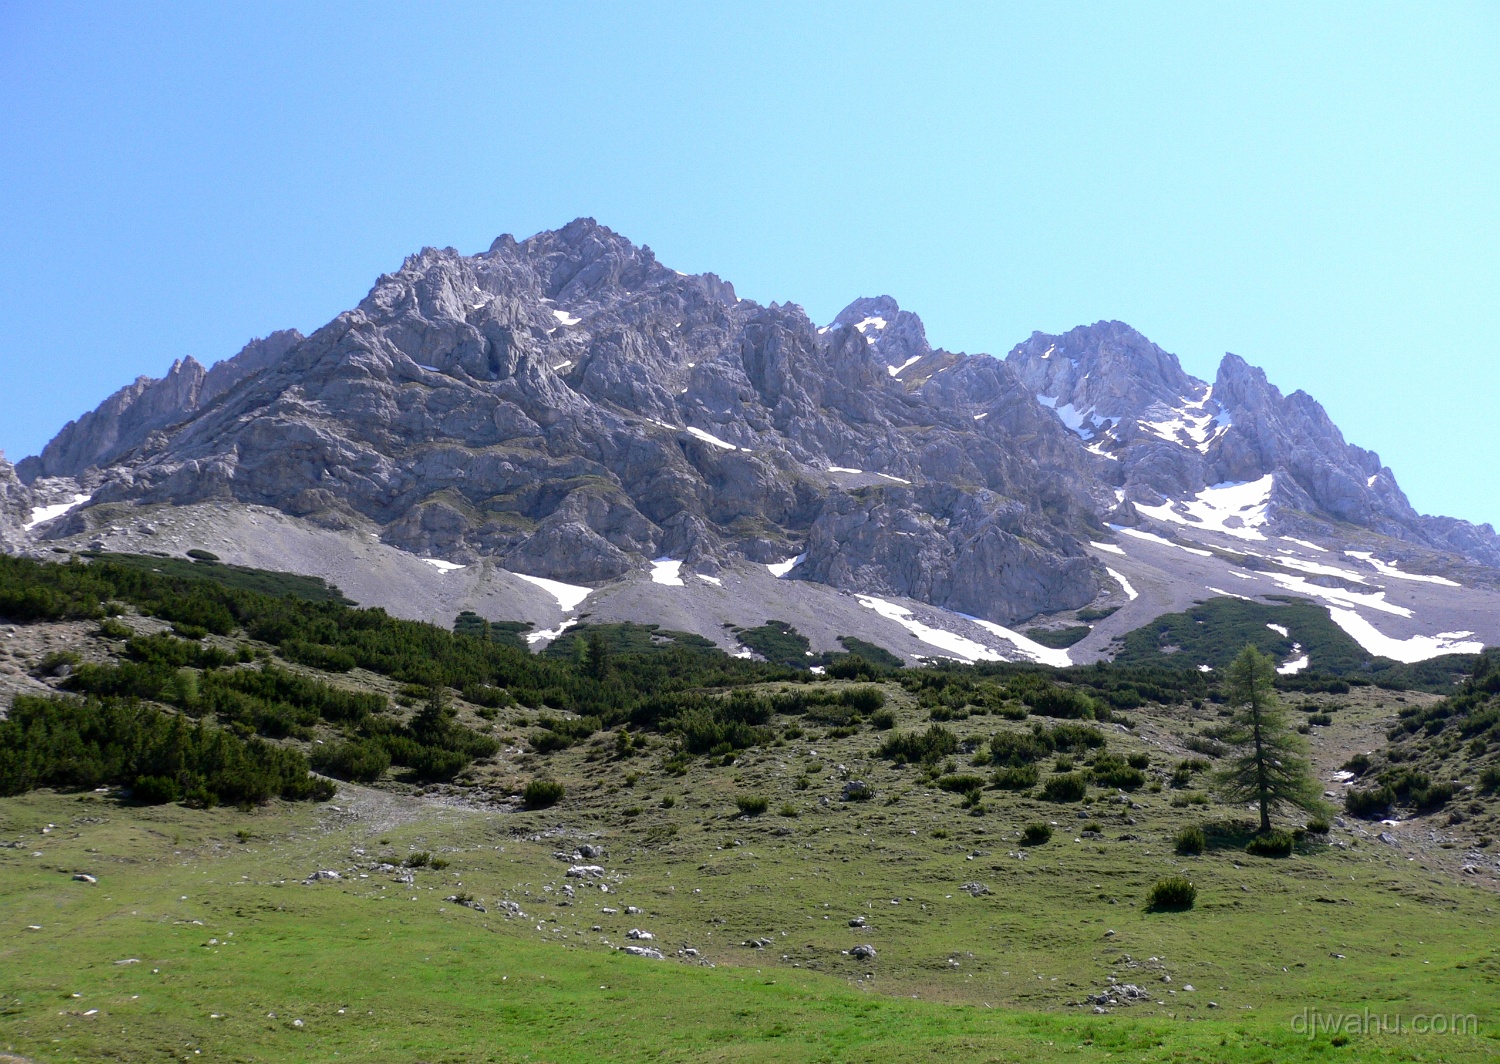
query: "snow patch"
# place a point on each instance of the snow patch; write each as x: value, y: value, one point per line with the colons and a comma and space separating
x: 981, y: 417
x: 1304, y: 543
x: 707, y: 437
x: 1317, y: 568
x: 1153, y: 538
x: 1131, y: 594
x: 42, y: 514
x: 1279, y: 630
x: 568, y: 596
x: 1112, y: 548
x: 1033, y: 650
x: 1408, y: 651
x: 895, y: 371
x: 1205, y: 668
x: 666, y: 571
x: 843, y: 469
x: 549, y: 634
x: 714, y: 580
x: 780, y: 569
x: 1233, y: 508
x: 1374, y: 600
x: 1292, y: 667
x: 888, y: 476
x: 566, y: 318
x: 562, y: 366
x: 952, y: 642
x: 1191, y: 420
x: 1389, y: 569
x: 442, y: 566
x: 870, y: 323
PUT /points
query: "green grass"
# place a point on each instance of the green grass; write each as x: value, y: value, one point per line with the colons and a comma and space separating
x: 226, y: 933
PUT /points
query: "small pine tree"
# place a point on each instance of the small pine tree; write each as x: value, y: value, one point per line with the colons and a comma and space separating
x: 1270, y: 767
x: 434, y: 720
x: 596, y: 657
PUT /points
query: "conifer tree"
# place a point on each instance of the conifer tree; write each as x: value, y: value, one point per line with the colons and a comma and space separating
x: 1270, y: 766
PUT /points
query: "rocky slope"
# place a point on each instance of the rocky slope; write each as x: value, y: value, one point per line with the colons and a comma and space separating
x: 568, y: 408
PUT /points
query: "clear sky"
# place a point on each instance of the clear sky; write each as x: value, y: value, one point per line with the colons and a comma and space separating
x: 1311, y: 186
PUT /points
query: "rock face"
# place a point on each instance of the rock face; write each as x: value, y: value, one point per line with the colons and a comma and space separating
x: 132, y: 418
x: 570, y: 408
x: 15, y: 507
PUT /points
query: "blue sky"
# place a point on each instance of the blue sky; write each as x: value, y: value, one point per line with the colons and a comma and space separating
x: 1310, y: 186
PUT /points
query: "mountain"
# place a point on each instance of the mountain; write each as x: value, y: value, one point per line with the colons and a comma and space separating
x: 567, y: 411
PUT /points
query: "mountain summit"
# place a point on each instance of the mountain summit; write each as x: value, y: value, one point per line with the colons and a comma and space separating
x: 566, y: 408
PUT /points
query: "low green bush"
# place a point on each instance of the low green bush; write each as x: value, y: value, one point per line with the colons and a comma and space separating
x: 1174, y: 893
x: 1036, y: 834
x: 752, y: 804
x: 542, y: 793
x: 1068, y: 787
x: 1273, y: 843
x: 1190, y: 841
x: 1016, y: 778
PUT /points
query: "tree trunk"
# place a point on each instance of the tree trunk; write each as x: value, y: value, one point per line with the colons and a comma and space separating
x: 1262, y: 785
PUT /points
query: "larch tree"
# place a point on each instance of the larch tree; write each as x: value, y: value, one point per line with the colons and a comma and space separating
x: 1270, y: 765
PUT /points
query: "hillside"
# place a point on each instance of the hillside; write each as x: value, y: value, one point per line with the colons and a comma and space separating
x: 758, y: 822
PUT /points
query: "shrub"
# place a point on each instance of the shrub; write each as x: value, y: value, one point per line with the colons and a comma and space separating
x: 962, y: 784
x: 790, y: 810
x: 1111, y: 770
x: 1036, y: 834
x: 1191, y: 841
x: 58, y: 660
x: 1140, y: 760
x: 751, y: 804
x: 1060, y: 702
x: 1069, y: 787
x: 884, y: 720
x: 1018, y: 748
x: 109, y: 628
x: 362, y: 761
x: 1369, y: 803
x: 1273, y: 843
x: 1016, y: 778
x: 418, y: 859
x: 540, y: 794
x: 156, y: 790
x: 927, y: 747
x: 1172, y: 894
x: 1489, y: 779
x: 198, y: 554
x: 1318, y: 825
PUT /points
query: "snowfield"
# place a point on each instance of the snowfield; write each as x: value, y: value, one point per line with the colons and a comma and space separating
x: 1416, y: 648
x: 1234, y: 509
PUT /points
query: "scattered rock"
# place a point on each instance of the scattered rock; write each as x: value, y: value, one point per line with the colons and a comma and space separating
x: 643, y: 951
x: 637, y: 933
x: 863, y: 953
x: 323, y: 873
x: 584, y: 871
x: 975, y: 889
x: 858, y: 791
x: 83, y: 877
x: 858, y: 921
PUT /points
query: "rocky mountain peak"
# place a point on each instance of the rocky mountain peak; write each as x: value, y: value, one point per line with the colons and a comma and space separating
x: 567, y: 407
x: 898, y: 336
